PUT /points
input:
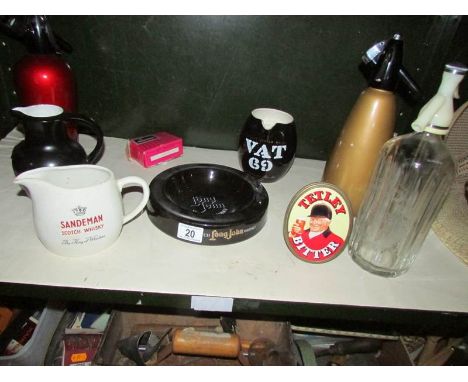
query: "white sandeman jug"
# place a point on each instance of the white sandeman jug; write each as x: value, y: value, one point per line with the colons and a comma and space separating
x: 78, y: 210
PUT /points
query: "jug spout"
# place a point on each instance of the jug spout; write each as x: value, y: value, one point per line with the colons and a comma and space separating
x: 32, y: 181
x: 37, y: 111
x: 57, y: 179
x: 270, y: 117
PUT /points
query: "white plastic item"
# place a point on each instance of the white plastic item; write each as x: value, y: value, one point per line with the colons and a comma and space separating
x: 35, y: 350
x: 436, y: 115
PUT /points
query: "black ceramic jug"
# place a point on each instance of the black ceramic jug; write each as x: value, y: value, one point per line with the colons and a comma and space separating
x: 47, y: 142
x: 267, y: 144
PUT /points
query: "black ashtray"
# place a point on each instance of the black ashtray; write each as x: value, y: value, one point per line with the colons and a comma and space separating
x: 207, y: 204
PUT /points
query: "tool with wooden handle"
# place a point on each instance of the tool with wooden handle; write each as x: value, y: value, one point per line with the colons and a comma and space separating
x: 365, y: 345
x: 207, y: 343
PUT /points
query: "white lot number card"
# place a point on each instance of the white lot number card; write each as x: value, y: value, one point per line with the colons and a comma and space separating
x: 190, y: 233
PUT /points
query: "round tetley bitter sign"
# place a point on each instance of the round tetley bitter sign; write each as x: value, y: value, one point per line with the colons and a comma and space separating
x: 318, y: 223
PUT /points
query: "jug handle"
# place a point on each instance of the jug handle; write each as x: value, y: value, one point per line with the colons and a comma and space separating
x: 134, y: 180
x: 94, y: 155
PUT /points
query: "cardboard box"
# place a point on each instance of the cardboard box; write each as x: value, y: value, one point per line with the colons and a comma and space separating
x: 126, y: 324
x: 156, y: 148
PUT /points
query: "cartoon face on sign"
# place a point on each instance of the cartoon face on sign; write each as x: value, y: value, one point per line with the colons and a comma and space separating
x: 317, y: 223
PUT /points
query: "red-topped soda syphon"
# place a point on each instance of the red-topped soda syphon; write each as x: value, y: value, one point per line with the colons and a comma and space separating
x: 42, y: 76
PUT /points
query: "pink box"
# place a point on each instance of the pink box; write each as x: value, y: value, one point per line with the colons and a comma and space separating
x: 152, y: 149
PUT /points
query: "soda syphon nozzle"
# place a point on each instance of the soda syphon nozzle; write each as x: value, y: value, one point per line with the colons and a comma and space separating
x: 385, y: 74
x: 436, y: 115
x: 407, y: 86
x: 35, y: 32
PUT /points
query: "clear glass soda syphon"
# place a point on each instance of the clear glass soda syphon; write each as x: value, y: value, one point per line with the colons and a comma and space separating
x: 412, y: 178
